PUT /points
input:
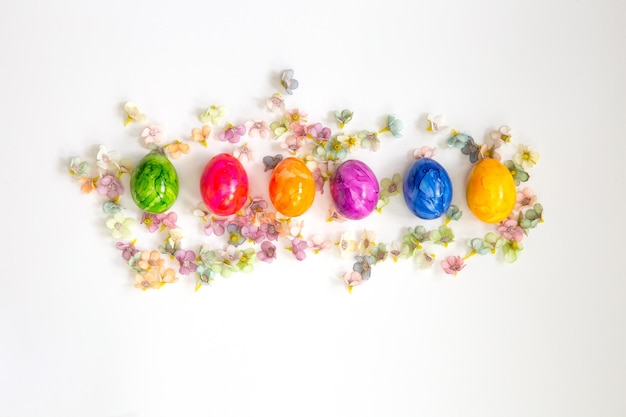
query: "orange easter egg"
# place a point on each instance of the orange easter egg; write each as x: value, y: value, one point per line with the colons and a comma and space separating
x: 292, y: 188
x: 491, y: 191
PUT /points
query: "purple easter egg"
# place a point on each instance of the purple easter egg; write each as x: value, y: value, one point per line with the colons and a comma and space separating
x: 354, y: 190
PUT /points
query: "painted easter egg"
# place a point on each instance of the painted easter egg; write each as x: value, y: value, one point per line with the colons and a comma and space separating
x: 292, y: 188
x: 354, y: 189
x: 154, y: 183
x: 427, y: 189
x: 224, y: 185
x: 491, y: 191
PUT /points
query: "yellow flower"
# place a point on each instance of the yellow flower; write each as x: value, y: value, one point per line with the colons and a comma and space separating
x: 526, y: 157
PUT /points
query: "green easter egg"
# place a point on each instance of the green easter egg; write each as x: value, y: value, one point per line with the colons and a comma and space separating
x: 154, y: 183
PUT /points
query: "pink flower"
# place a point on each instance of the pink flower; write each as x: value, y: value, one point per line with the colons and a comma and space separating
x: 298, y: 129
x: 128, y: 250
x: 296, y: 116
x: 152, y: 134
x: 110, y: 186
x: 244, y: 151
x: 232, y: 133
x: 318, y: 132
x: 424, y: 152
x: 267, y: 252
x: 298, y: 246
x: 317, y: 243
x: 525, y: 198
x: 258, y: 129
x: 271, y: 231
x: 353, y: 278
x: 152, y: 221
x: 452, y: 265
x: 293, y: 143
x: 253, y: 232
x: 510, y: 230
x: 215, y: 227
x: 276, y: 103
x: 319, y: 180
x: 169, y: 220
x: 186, y: 260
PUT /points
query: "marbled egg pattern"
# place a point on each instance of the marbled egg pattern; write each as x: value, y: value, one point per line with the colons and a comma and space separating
x: 354, y: 190
x: 154, y: 183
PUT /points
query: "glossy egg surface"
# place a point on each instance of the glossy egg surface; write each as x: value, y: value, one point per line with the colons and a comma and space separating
x: 491, y: 192
x: 427, y: 189
x: 224, y: 185
x: 354, y: 189
x: 291, y: 187
x: 154, y: 183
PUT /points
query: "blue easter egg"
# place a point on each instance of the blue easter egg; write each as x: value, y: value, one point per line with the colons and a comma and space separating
x: 427, y: 189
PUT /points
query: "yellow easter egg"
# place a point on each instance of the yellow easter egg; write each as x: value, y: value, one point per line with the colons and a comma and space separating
x: 491, y: 191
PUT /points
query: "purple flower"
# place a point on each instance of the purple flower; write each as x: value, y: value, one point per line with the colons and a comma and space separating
x: 270, y: 231
x: 152, y: 221
x: 186, y: 260
x: 110, y: 186
x: 318, y: 132
x: 215, y: 227
x: 232, y: 133
x: 256, y: 205
x: 128, y: 250
x: 267, y: 253
x: 252, y: 232
x: 298, y: 246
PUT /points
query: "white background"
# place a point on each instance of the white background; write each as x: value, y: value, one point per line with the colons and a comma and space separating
x: 543, y: 337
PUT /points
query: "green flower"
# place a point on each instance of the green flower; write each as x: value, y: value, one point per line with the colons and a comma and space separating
x: 343, y: 117
x: 379, y: 253
x: 78, y: 168
x: 335, y: 150
x: 247, y: 260
x: 459, y: 140
x: 512, y: 249
x: 414, y: 239
x: 518, y: 173
x: 532, y: 217
x: 478, y: 246
x: 453, y: 213
x: 390, y: 186
x: 111, y: 207
x: 442, y: 236
x: 394, y: 126
x: 213, y: 115
x: 369, y: 140
x: 279, y: 128
x: 205, y: 276
x: 493, y: 242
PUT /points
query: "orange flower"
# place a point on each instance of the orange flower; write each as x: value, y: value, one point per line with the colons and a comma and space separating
x: 147, y: 280
x: 201, y: 134
x: 150, y: 259
x: 176, y: 149
x: 168, y: 276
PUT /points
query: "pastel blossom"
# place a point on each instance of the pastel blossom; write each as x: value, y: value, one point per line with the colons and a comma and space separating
x: 78, y: 167
x: 296, y: 116
x: 486, y: 151
x: 169, y: 220
x: 276, y: 103
x: 168, y: 275
x: 213, y: 115
x: 347, y: 245
x: 258, y: 129
x: 288, y: 82
x: 318, y: 132
x: 247, y: 260
x: 270, y: 230
x: 424, y: 152
x: 244, y: 152
x: 120, y: 226
x: 298, y: 246
x: 363, y: 266
x: 352, y: 279
x: 423, y: 259
x: 107, y: 160
x: 504, y: 134
x: 367, y: 242
x: 379, y: 253
x: 279, y: 127
x: 152, y: 134
x: 151, y: 221
x: 110, y: 186
x: 453, y: 265
x: 111, y: 207
x: 526, y: 157
x: 343, y: 117
x: 510, y: 230
x: 177, y: 149
x: 186, y: 260
x: 267, y: 252
x: 87, y: 185
x: 525, y: 198
x: 232, y: 133
x: 512, y: 250
x: 148, y: 260
x: 147, y: 280
x: 398, y: 250
x: 517, y: 172
x: 335, y: 150
x: 201, y: 134
x: 394, y: 126
x: 293, y: 144
x: 351, y: 142
x: 317, y: 243
x: 128, y: 250
x: 133, y: 113
x: 390, y: 186
x: 436, y: 123
x: 215, y: 227
x: 369, y: 140
x: 334, y: 215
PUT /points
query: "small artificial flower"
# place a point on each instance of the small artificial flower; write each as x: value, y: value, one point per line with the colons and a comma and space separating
x: 414, y: 239
x: 478, y: 246
x: 253, y: 232
x: 526, y: 157
x: 423, y: 259
x: 295, y: 229
x: 147, y: 280
x: 398, y: 250
x: 288, y: 82
x: 172, y: 243
x: 512, y: 250
x: 394, y: 126
x: 205, y: 276
x: 270, y: 231
x: 232, y: 133
x: 335, y: 150
x: 151, y: 221
x: 267, y: 252
x: 486, y: 151
x: 436, y: 123
x: 120, y: 226
x: 317, y: 243
x: 128, y: 250
x: 351, y: 142
x: 133, y: 114
x: 343, y: 117
x: 247, y: 260
x: 369, y: 140
x: 87, y: 185
x: 318, y: 132
x: 442, y: 236
x: 471, y: 149
x: 493, y: 241
x: 110, y: 186
x: 453, y: 265
x: 334, y: 215
x: 532, y: 217
x: 347, y: 245
x: 235, y: 237
x: 78, y: 167
x: 177, y: 149
x: 257, y: 205
x: 297, y: 247
x: 244, y: 152
x: 379, y: 253
x: 363, y: 266
x: 201, y: 134
x: 186, y: 260
x: 168, y: 275
x: 296, y: 116
x: 215, y: 227
x: 279, y: 127
x: 276, y: 103
x: 319, y: 180
x: 293, y: 144
x: 152, y: 134
x: 107, y: 161
x: 459, y: 140
x: 390, y: 186
x: 258, y: 129
x: 517, y: 171
x: 525, y: 198
x: 213, y: 115
x: 453, y: 213
x: 424, y: 152
x: 352, y: 279
x: 270, y: 162
x: 149, y: 260
x: 504, y: 134
x: 169, y: 220
x: 111, y: 207
x: 367, y: 242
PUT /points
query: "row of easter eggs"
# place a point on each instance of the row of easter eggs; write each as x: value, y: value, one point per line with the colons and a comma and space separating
x: 354, y: 188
